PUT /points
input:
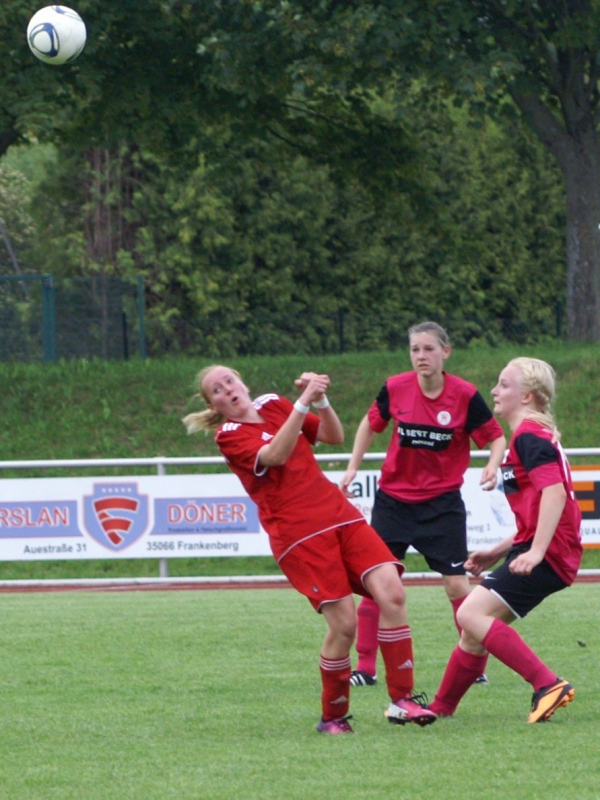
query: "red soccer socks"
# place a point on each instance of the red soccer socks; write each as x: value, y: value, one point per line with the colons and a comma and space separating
x: 335, y: 679
x: 397, y: 653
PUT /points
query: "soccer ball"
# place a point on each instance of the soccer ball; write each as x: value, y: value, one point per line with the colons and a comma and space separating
x: 56, y: 34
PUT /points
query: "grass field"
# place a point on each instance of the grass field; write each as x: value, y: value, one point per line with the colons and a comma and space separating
x: 215, y: 696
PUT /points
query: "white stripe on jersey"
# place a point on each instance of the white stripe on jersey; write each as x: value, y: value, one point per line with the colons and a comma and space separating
x: 259, y: 402
x: 230, y: 426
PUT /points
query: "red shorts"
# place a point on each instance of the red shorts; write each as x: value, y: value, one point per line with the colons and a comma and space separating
x: 331, y: 565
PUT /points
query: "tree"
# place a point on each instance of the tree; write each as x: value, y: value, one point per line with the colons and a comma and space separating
x: 256, y: 249
x: 155, y: 74
x: 312, y: 74
x: 544, y: 55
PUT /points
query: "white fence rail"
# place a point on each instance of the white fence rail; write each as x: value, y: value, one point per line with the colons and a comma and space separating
x: 162, y: 464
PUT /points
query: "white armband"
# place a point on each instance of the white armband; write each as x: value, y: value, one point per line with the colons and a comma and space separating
x: 324, y: 403
x: 301, y: 407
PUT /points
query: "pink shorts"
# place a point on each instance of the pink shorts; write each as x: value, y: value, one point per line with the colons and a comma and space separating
x: 333, y: 564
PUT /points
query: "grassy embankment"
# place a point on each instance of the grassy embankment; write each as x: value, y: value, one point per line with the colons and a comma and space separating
x: 133, y: 409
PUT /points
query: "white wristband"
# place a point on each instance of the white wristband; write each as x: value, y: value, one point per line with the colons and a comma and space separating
x: 324, y: 403
x: 301, y: 407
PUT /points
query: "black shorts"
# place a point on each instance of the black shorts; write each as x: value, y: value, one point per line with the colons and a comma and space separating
x: 436, y: 528
x: 522, y: 593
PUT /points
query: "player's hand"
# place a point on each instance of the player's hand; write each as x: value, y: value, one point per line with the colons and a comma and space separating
x: 489, y: 479
x: 480, y: 561
x: 303, y: 380
x: 346, y: 481
x: 312, y: 386
x: 524, y: 563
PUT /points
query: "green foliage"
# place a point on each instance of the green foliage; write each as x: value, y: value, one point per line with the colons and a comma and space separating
x: 15, y: 196
x: 498, y: 247
x: 256, y: 250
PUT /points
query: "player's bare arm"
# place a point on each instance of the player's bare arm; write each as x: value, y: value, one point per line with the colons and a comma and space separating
x: 279, y: 449
x: 330, y: 430
x: 362, y: 441
x: 552, y: 505
x: 489, y: 474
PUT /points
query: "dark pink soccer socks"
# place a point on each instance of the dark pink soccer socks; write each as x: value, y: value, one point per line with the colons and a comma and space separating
x: 505, y: 644
x: 366, y: 636
x: 461, y: 672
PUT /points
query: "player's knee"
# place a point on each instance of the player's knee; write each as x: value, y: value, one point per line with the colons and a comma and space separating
x: 392, y: 598
x: 470, y: 622
x: 341, y: 620
x: 385, y: 586
x: 344, y: 630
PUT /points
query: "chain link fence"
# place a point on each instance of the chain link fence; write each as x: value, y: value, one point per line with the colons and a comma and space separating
x: 44, y: 318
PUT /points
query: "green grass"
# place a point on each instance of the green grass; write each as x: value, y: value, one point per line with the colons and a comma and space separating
x: 181, y: 567
x: 95, y: 409
x: 215, y: 695
x: 83, y: 409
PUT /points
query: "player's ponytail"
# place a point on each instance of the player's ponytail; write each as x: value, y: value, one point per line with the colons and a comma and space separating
x: 203, y: 421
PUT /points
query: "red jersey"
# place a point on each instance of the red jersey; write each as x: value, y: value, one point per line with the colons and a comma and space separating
x: 295, y: 500
x: 429, y: 451
x: 532, y: 463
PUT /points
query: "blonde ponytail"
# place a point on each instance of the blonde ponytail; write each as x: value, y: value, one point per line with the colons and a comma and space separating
x: 203, y: 421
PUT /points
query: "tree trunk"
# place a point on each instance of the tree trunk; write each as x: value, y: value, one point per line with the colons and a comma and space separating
x: 582, y: 177
x: 576, y: 147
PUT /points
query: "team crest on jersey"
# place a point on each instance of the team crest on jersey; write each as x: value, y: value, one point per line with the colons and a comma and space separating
x: 116, y: 514
x: 266, y: 437
x: 444, y: 418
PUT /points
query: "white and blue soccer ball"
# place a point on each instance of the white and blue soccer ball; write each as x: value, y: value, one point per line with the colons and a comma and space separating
x: 56, y: 34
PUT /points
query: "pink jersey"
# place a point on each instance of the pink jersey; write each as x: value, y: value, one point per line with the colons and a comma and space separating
x: 430, y: 446
x: 532, y: 463
x: 295, y: 500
